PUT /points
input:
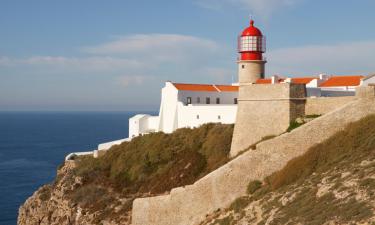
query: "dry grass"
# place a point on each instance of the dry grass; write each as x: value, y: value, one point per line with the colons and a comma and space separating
x: 158, y: 162
x: 342, y: 152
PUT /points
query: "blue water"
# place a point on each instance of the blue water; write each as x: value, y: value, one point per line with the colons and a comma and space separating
x: 33, y: 144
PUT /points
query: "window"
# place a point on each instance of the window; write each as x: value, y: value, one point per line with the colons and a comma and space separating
x: 208, y: 100
x: 243, y: 66
x: 235, y: 101
x: 198, y: 100
x: 218, y: 117
x: 188, y: 100
x: 217, y: 100
x: 197, y: 117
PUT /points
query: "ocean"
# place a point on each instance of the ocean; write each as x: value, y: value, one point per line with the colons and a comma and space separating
x: 34, y: 144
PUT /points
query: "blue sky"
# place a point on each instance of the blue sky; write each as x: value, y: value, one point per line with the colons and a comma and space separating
x: 116, y: 55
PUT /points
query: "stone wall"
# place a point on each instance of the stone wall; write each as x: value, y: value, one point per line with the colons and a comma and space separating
x: 190, y: 204
x: 265, y: 110
x: 322, y: 105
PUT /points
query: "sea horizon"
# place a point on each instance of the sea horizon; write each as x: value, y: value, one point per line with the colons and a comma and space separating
x: 34, y: 143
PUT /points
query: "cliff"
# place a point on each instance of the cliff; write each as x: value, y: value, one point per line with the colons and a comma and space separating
x: 56, y: 203
x: 101, y: 191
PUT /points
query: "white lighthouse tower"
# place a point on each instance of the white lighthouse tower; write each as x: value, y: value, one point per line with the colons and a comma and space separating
x: 251, y: 46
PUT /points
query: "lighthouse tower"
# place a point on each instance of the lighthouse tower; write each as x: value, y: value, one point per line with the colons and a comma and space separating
x: 251, y: 46
x: 263, y: 110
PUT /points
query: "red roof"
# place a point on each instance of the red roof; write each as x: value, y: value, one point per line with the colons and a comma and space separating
x: 337, y: 81
x: 205, y: 87
x: 251, y: 30
x: 263, y: 81
x: 302, y: 80
x: 267, y: 81
x: 227, y: 87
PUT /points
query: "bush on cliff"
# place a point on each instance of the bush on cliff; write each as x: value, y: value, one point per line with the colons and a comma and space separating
x: 156, y: 162
x: 333, y: 181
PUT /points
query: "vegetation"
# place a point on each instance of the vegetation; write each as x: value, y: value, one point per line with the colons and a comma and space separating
x: 300, y: 121
x: 356, y: 142
x: 45, y: 193
x: 253, y: 186
x: 157, y: 162
x: 290, y: 196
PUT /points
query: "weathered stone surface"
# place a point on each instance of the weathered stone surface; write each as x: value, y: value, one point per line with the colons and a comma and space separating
x: 190, y: 204
x: 323, y: 105
x: 50, y: 205
x: 265, y: 110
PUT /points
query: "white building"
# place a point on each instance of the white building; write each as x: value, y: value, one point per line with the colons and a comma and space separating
x: 191, y: 105
x: 188, y: 105
x: 369, y: 80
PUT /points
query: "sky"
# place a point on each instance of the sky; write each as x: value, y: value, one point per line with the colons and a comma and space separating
x: 96, y: 55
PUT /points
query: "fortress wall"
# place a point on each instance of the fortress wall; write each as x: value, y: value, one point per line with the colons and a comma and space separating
x: 322, y: 105
x: 190, y: 204
x: 265, y: 110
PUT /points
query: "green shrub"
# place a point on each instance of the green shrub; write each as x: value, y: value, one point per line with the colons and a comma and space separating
x: 240, y: 203
x: 253, y: 186
x: 157, y: 162
x: 293, y: 125
x: 312, y: 116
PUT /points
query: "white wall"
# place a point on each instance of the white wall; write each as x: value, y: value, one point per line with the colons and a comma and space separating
x: 142, y: 124
x: 225, y: 97
x: 196, y: 115
x: 368, y: 80
x: 168, y: 108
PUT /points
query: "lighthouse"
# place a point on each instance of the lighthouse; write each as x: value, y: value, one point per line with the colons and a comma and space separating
x: 251, y: 46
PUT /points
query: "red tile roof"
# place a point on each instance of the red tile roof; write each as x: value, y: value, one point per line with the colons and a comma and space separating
x: 263, y: 81
x: 337, y: 81
x: 302, y: 80
x: 297, y: 80
x: 227, y: 87
x: 205, y: 87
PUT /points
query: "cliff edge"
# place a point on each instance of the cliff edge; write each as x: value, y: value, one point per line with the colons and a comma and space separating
x: 101, y: 190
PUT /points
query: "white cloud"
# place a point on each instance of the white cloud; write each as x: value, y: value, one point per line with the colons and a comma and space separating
x: 159, y: 47
x: 133, y: 80
x: 130, y: 54
x: 341, y: 58
x: 83, y: 64
x: 261, y: 8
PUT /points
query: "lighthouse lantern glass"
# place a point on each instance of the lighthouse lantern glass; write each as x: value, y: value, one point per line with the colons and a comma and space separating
x: 252, y: 44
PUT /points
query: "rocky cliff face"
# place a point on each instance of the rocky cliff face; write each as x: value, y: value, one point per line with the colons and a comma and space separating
x: 101, y: 190
x: 57, y: 204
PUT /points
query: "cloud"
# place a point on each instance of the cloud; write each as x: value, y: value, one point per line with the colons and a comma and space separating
x: 261, y: 8
x: 130, y: 54
x: 133, y: 80
x: 341, y: 58
x: 76, y: 64
x: 158, y: 47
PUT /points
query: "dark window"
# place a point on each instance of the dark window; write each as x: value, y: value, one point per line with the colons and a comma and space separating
x: 235, y: 101
x: 197, y: 117
x: 188, y: 100
x: 243, y: 66
x: 219, y: 117
x: 217, y: 100
x: 198, y: 100
x: 208, y: 100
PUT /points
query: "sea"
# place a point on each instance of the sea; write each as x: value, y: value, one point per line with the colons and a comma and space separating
x: 34, y: 144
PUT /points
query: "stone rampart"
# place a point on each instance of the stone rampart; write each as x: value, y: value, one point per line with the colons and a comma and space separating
x: 265, y: 110
x: 322, y: 105
x: 190, y: 204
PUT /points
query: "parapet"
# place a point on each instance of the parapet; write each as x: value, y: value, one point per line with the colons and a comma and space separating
x: 265, y: 110
x: 365, y: 92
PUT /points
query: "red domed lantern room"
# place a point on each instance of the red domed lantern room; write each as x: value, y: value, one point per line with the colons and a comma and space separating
x: 251, y: 43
